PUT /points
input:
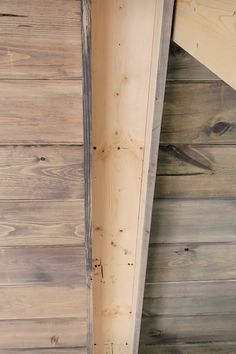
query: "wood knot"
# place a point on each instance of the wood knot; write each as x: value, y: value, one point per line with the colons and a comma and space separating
x: 221, y: 128
x: 54, y: 340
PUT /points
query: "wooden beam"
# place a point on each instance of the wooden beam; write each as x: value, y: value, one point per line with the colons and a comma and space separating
x: 207, y: 30
x: 129, y: 56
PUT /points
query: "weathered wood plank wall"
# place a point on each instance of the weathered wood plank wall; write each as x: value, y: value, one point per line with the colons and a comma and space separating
x: 43, y: 290
x: 189, y: 304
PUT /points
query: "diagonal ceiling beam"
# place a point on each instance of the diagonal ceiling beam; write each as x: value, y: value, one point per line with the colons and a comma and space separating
x: 207, y: 30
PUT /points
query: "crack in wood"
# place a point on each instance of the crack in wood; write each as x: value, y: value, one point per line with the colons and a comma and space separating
x: 189, y: 155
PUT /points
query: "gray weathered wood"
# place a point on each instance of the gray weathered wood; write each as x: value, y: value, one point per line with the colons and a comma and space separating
x: 40, y: 39
x: 87, y: 124
x: 190, y: 298
x: 37, y: 172
x: 43, y: 301
x: 38, y: 265
x: 186, y: 171
x: 44, y: 263
x: 191, y: 261
x: 182, y: 66
x: 194, y: 348
x: 198, y: 220
x: 189, y: 329
x: 42, y: 223
x: 46, y: 351
x: 199, y: 113
x: 41, y: 111
x: 43, y: 333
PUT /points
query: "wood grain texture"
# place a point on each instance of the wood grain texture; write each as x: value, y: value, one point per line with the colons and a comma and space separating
x: 199, y: 113
x: 189, y: 329
x: 189, y: 303
x: 42, y: 223
x: 39, y: 265
x: 43, y: 333
x: 161, y: 43
x: 43, y: 301
x: 197, y: 348
x: 41, y: 111
x: 190, y: 298
x: 197, y: 220
x: 37, y: 172
x: 43, y: 251
x: 186, y: 171
x: 201, y: 27
x: 191, y: 261
x: 182, y: 66
x: 40, y: 39
x: 126, y: 52
x: 76, y: 350
x: 86, y: 6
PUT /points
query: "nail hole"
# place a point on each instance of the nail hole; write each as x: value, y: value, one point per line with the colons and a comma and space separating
x: 42, y: 158
x: 118, y: 148
x: 94, y: 148
x: 186, y: 249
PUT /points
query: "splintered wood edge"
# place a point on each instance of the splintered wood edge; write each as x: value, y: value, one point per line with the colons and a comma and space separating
x: 87, y: 116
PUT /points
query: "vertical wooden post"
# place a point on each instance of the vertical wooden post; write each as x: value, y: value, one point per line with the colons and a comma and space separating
x: 129, y: 56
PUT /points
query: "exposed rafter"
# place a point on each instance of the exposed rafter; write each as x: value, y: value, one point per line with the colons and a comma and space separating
x: 207, y: 30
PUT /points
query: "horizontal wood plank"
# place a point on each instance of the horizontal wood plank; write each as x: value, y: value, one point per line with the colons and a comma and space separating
x: 43, y: 301
x: 186, y: 171
x: 182, y: 66
x: 40, y: 39
x: 38, y: 265
x: 189, y: 261
x: 43, y: 333
x: 199, y: 113
x: 190, y: 298
x: 189, y: 329
x: 41, y: 111
x: 42, y: 223
x: 197, y: 348
x: 78, y: 350
x: 37, y: 172
x: 197, y: 220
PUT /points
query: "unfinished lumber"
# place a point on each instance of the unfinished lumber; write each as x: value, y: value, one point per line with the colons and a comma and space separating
x: 206, y: 30
x: 130, y: 53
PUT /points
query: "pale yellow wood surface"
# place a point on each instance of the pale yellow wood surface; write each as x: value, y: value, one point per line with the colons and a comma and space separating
x: 126, y: 38
x: 207, y: 30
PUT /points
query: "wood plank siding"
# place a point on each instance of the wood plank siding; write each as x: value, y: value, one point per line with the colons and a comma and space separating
x: 44, y: 270
x: 189, y: 305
